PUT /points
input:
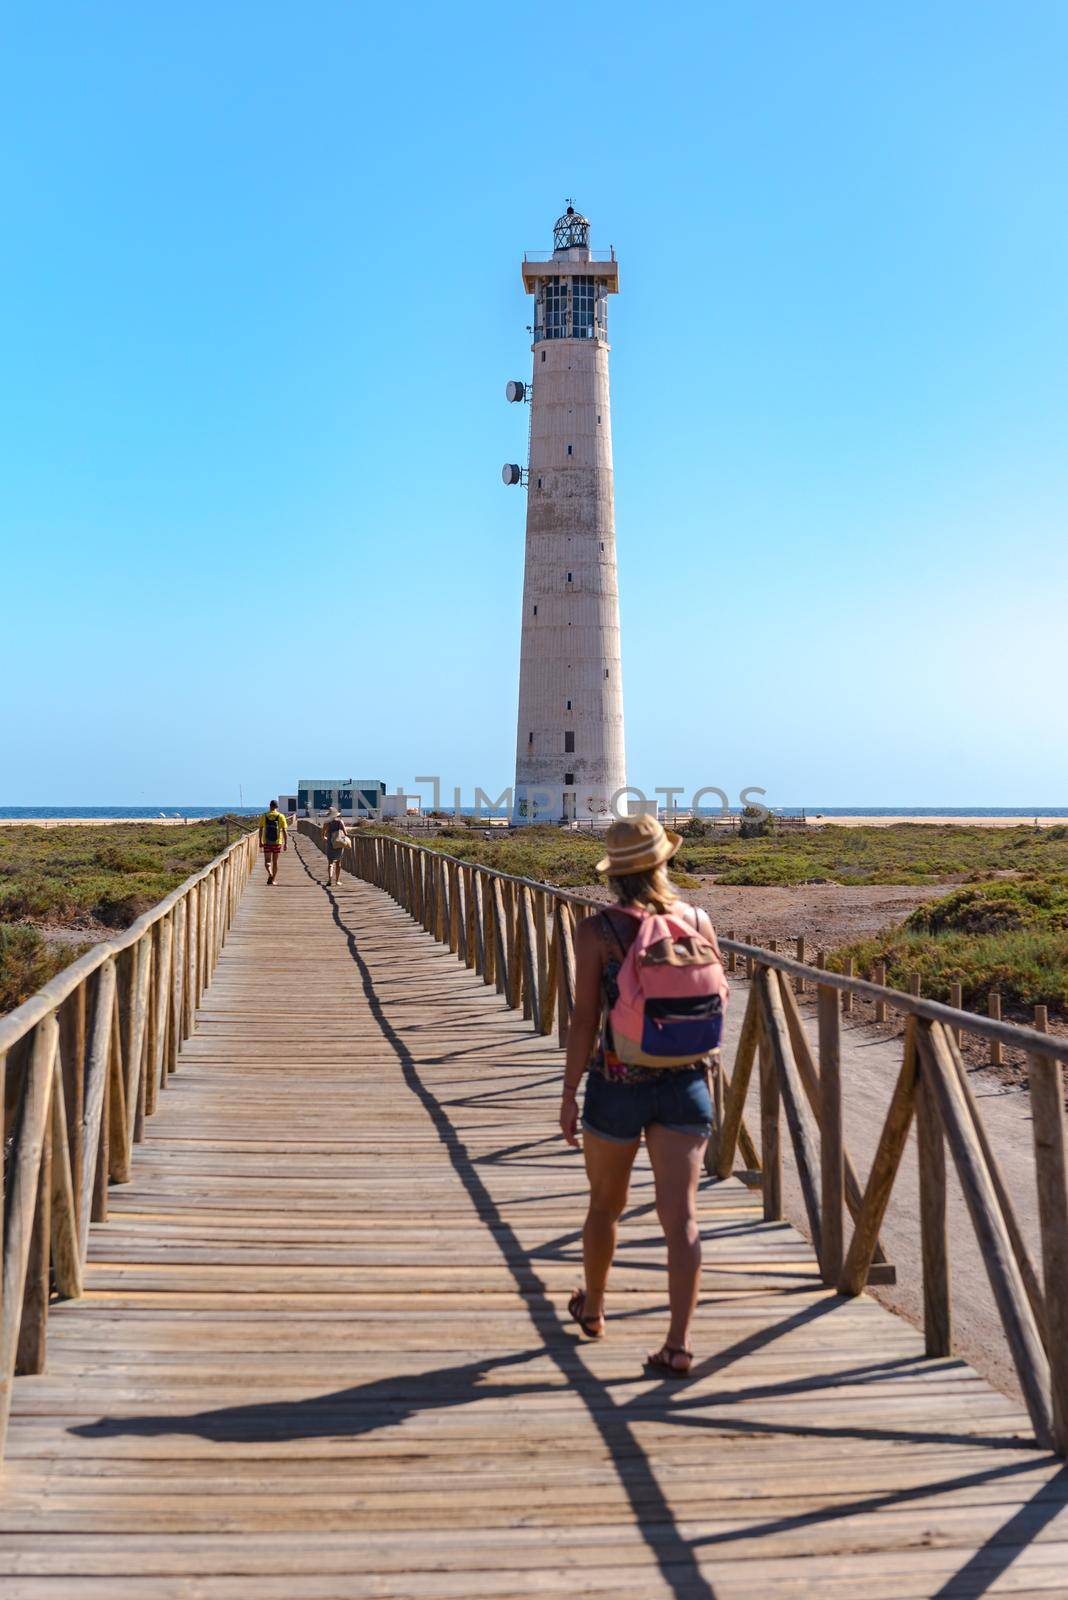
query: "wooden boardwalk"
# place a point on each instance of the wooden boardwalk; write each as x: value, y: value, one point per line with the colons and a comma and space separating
x: 323, y: 1350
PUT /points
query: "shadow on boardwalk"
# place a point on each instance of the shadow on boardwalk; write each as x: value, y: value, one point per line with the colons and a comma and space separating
x: 616, y: 1407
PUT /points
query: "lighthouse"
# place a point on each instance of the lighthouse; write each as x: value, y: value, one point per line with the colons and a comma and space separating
x: 570, y: 760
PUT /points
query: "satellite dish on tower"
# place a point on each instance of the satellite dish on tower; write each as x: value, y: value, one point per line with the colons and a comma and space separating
x: 512, y: 473
x: 514, y: 390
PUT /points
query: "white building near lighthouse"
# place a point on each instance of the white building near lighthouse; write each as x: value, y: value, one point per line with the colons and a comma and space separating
x: 569, y: 747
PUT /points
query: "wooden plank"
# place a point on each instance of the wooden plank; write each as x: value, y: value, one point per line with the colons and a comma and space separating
x: 1051, y: 1170
x: 791, y: 1093
x: 1021, y: 1333
x: 832, y: 1145
x: 934, y: 1239
x: 271, y: 1384
x: 23, y: 1204
x: 563, y: 928
x: 65, y: 1251
x: 1024, y: 1263
x: 770, y: 1147
x: 884, y: 1168
x: 738, y: 1086
x: 811, y: 1079
x: 72, y: 1054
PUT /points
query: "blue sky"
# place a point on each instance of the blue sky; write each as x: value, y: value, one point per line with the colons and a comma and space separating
x: 261, y: 292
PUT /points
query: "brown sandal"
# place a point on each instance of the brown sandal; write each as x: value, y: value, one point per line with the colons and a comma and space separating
x: 588, y: 1324
x: 663, y: 1364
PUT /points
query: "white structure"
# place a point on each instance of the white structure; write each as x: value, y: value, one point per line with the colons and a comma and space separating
x: 569, y: 748
x: 352, y: 796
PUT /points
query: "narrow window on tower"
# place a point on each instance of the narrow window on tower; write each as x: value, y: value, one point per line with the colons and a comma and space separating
x: 569, y: 449
x: 530, y: 737
x: 602, y: 541
x: 569, y: 743
x: 569, y: 705
x: 539, y: 486
x: 598, y: 422
x: 543, y: 355
x: 569, y: 777
x: 535, y: 610
x: 569, y: 577
x: 606, y: 672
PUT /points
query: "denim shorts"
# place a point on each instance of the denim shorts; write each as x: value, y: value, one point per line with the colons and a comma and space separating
x: 678, y: 1100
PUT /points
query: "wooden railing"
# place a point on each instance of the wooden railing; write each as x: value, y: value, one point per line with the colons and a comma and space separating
x: 518, y: 935
x: 82, y: 1063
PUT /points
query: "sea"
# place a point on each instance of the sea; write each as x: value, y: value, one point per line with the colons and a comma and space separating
x: 193, y: 813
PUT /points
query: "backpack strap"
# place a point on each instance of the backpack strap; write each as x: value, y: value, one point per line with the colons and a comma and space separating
x: 614, y: 931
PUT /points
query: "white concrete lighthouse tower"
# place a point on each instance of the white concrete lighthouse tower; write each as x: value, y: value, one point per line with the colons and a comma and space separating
x: 569, y: 746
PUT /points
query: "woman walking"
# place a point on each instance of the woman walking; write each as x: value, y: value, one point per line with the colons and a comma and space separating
x: 335, y: 838
x: 628, y: 1093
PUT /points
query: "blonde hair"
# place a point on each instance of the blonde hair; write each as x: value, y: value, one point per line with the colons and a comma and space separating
x: 651, y: 888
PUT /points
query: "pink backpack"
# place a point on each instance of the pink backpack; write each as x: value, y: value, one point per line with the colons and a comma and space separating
x: 672, y: 993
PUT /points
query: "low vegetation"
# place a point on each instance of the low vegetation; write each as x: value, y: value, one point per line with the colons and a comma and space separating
x: 27, y: 961
x: 1004, y: 924
x: 92, y: 879
x: 908, y: 854
x: 1010, y: 936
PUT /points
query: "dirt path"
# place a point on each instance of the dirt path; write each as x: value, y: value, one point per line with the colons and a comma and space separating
x: 869, y: 1070
x: 825, y: 914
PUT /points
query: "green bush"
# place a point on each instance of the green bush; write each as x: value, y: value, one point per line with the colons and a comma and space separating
x: 1006, y: 935
x: 27, y: 961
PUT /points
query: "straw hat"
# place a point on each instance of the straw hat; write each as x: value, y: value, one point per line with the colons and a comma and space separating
x: 637, y: 844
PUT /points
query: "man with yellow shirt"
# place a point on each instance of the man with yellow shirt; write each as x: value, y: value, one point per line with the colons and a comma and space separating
x: 272, y: 838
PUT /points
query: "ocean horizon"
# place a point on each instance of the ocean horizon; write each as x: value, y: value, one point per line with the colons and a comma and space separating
x: 199, y: 813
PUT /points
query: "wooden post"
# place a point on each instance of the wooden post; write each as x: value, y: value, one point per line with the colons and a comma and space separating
x: 565, y: 969
x: 94, y: 1121
x: 734, y: 1098
x: 21, y: 1235
x: 811, y: 1079
x: 799, y: 983
x: 993, y: 1007
x: 995, y: 1248
x: 33, y: 1325
x: 66, y: 1260
x: 118, y: 1147
x: 934, y: 1238
x: 1051, y: 1173
x: 847, y: 994
x: 832, y: 1147
x: 878, y: 976
x: 770, y: 1146
x: 914, y: 984
x: 541, y: 939
x: 549, y: 987
x: 470, y: 947
x: 454, y: 907
x: 72, y: 1054
x: 792, y: 1096
x: 528, y: 935
x: 489, y: 961
x: 884, y: 1167
x: 732, y: 959
x: 501, y: 926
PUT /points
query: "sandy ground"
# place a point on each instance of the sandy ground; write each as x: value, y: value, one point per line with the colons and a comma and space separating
x: 935, y: 822
x: 869, y: 1070
x: 824, y: 914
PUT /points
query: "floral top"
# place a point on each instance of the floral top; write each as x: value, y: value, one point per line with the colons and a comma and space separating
x: 605, y: 1061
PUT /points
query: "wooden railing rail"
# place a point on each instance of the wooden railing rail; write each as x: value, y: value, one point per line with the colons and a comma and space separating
x: 82, y: 1063
x: 518, y: 935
